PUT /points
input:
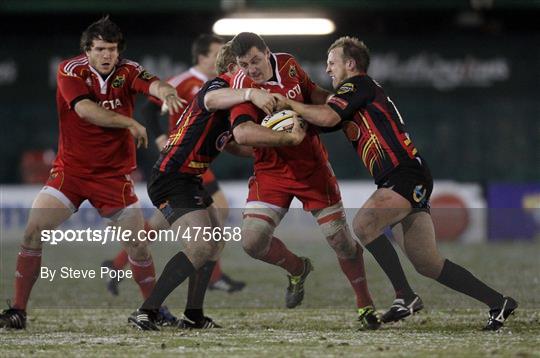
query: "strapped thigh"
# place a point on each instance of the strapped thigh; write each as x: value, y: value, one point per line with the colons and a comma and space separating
x: 262, y: 217
x: 331, y: 219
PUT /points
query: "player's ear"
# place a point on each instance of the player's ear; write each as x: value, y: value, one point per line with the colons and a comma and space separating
x: 232, y: 67
x: 350, y: 64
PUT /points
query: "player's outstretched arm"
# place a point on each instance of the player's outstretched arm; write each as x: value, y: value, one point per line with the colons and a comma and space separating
x: 319, y: 95
x: 318, y: 114
x: 168, y: 95
x: 249, y: 133
x: 93, y: 113
x: 226, y: 98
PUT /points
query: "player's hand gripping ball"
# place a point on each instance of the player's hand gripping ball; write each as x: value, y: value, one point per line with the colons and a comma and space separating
x: 282, y: 120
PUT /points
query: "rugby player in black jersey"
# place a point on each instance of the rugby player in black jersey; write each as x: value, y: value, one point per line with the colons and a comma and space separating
x: 376, y: 129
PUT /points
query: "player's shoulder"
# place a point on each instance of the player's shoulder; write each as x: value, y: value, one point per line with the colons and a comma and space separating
x: 286, y: 64
x: 218, y: 82
x: 224, y: 77
x: 73, y: 66
x: 129, y: 64
x: 353, y: 84
x: 240, y: 80
x: 134, y: 69
x: 283, y: 57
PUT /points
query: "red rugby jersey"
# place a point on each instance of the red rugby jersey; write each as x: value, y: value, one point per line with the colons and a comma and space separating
x: 86, y: 149
x: 290, y: 80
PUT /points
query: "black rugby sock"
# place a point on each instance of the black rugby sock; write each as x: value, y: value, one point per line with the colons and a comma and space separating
x: 386, y: 256
x: 175, y: 272
x: 461, y: 280
x: 198, y: 283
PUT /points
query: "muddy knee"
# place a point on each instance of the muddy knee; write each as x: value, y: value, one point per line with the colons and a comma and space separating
x: 256, y: 235
x: 342, y: 243
x: 199, y: 252
x: 255, y: 244
x: 32, y: 236
x: 364, y: 229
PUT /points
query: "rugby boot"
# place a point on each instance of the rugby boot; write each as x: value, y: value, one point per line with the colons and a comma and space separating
x: 295, y: 290
x: 402, y: 308
x: 497, y: 316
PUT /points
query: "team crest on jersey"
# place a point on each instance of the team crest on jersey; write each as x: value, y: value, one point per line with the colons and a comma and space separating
x: 292, y: 71
x: 145, y: 75
x: 352, y: 130
x: 419, y: 193
x: 222, y: 140
x: 346, y: 88
x: 88, y: 81
x: 118, y: 81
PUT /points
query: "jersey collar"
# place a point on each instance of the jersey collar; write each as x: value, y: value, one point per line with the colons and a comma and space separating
x: 102, y: 82
x: 276, y: 78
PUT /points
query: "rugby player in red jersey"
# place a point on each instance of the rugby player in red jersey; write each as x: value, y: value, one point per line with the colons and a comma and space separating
x: 376, y: 129
x: 96, y: 154
x: 201, y: 133
x: 204, y: 52
x: 302, y: 171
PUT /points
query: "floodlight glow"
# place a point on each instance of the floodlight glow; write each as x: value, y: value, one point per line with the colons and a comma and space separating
x: 274, y: 26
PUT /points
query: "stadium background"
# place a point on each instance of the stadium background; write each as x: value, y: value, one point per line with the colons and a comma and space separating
x: 464, y: 75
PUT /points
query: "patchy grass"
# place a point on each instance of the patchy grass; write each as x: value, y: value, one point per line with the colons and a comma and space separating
x: 78, y: 317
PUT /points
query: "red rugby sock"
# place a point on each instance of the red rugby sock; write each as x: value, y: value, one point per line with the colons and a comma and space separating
x: 354, y: 270
x: 26, y: 274
x: 216, y: 273
x: 279, y: 255
x: 121, y: 260
x: 144, y: 274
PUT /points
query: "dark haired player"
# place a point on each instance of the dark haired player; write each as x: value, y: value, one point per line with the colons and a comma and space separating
x: 281, y: 174
x: 96, y: 154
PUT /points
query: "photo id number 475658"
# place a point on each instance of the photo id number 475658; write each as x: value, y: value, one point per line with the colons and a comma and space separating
x: 226, y: 233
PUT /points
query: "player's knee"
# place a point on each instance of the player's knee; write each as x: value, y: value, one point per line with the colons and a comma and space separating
x: 342, y: 243
x: 360, y: 230
x: 216, y: 249
x: 255, y: 244
x: 32, y: 236
x: 429, y: 267
x: 255, y: 236
x: 217, y: 252
x: 199, y: 252
x: 364, y: 229
x: 137, y: 249
x: 425, y: 269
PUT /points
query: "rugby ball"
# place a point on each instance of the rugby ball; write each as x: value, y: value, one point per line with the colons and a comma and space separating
x: 281, y: 121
